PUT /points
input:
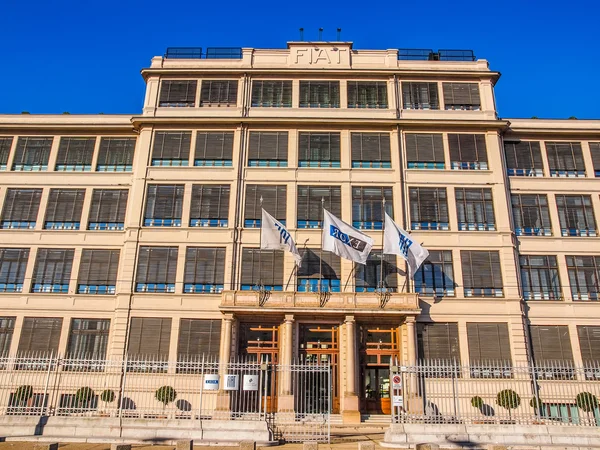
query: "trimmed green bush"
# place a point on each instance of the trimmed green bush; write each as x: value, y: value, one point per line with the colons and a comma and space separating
x: 586, y: 401
x: 477, y: 402
x: 107, y: 396
x: 165, y: 395
x: 84, y: 395
x: 23, y: 393
x: 508, y: 399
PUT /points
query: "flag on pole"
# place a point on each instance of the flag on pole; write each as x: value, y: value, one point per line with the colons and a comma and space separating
x: 345, y: 240
x: 274, y: 236
x: 396, y: 241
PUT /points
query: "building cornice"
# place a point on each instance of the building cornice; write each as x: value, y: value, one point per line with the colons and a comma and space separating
x: 66, y: 122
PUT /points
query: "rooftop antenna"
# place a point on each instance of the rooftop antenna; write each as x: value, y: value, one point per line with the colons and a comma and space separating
x: 301, y: 34
x: 320, y: 34
x: 339, y: 33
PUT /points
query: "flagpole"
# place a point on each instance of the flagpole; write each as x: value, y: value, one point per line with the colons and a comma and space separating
x: 382, y: 243
x: 260, y: 244
x: 321, y: 250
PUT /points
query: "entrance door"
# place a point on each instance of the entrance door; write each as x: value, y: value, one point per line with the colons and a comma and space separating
x: 376, y: 390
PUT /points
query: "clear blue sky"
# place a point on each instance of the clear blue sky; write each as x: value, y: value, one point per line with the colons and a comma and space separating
x: 85, y: 57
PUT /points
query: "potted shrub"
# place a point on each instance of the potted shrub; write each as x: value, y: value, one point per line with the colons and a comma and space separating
x: 165, y: 395
x: 22, y: 395
x: 537, y: 405
x: 84, y: 396
x: 107, y: 396
x: 586, y: 401
x: 509, y: 400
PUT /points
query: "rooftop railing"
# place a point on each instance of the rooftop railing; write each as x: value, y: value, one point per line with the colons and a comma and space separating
x: 425, y: 54
x: 210, y: 53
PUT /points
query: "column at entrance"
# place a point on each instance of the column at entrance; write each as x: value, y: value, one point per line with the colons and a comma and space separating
x: 411, y: 397
x: 224, y: 357
x: 351, y: 412
x: 285, y: 402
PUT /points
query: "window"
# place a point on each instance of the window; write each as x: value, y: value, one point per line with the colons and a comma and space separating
x: 88, y: 338
x: 7, y: 328
x: 551, y: 346
x: 425, y: 151
x: 594, y: 150
x: 428, y: 209
x: 438, y: 341
x: 21, y: 208
x: 116, y: 155
x: 376, y: 275
x: 149, y: 337
x: 462, y: 96
x: 210, y: 205
x: 539, y: 277
x: 171, y: 148
x: 273, y: 200
x: 52, y: 270
x: 63, y: 211
x: 272, y: 93
x: 5, y: 146
x: 75, y: 154
x: 523, y: 159
x: 489, y: 345
x: 435, y: 277
x: 198, y: 337
x: 204, y: 270
x: 475, y: 209
x: 320, y: 271
x: 319, y: 150
x: 178, y: 93
x: 482, y: 273
x: 262, y: 269
x: 312, y: 200
x: 319, y: 94
x: 420, y: 95
x: 13, y: 263
x: 214, y: 148
x: 32, y: 154
x: 589, y: 343
x: 576, y: 215
x: 584, y: 277
x: 164, y: 205
x: 268, y: 149
x: 367, y: 94
x: 219, y: 93
x: 108, y: 209
x: 157, y: 268
x: 98, y: 272
x: 367, y: 207
x: 371, y: 150
x: 468, y: 152
x: 565, y: 159
x: 531, y: 215
x: 40, y: 336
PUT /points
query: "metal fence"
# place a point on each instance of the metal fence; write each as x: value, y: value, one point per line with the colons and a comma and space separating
x: 496, y: 393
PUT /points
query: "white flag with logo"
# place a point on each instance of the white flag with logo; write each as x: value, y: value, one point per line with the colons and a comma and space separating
x: 396, y: 241
x: 274, y: 236
x: 344, y: 240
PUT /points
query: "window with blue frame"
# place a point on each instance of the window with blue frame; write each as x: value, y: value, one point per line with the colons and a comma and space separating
x: 98, y: 271
x: 552, y: 351
x: 320, y: 271
x: 5, y: 146
x: 367, y: 94
x: 52, y: 270
x: 565, y: 159
x: 149, y: 338
x: 21, y: 207
x: 13, y: 263
x: 7, y: 328
x: 171, y: 148
x: 88, y: 339
x: 268, y: 196
x: 584, y: 277
x: 40, y: 336
x: 204, y: 270
x: 156, y: 269
x: 116, y: 154
x: 197, y: 337
x: 210, y: 205
x: 482, y: 273
x: 32, y: 154
x: 319, y: 94
x: 371, y: 150
x: 377, y: 275
x: 318, y: 149
x: 475, y: 209
x: 468, y: 152
x: 425, y: 151
x: 164, y: 205
x: 213, y: 149
x: 178, y: 93
x: 531, y: 215
x: 261, y: 270
x: 75, y: 154
x: 268, y: 149
x: 107, y: 212
x: 594, y: 150
x: 63, y: 211
x: 576, y: 215
x: 312, y: 200
x: 489, y: 345
x: 368, y: 209
x: 428, y: 209
x: 438, y: 341
x: 272, y: 93
x: 435, y: 277
x: 539, y: 277
x: 523, y: 158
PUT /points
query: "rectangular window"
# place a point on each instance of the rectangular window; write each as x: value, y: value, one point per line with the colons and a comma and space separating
x: 319, y: 94
x: 98, y: 272
x: 594, y: 150
x: 589, y: 343
x: 552, y: 347
x: 210, y: 205
x: 539, y: 277
x: 32, y: 154
x: 88, y: 338
x: 149, y: 337
x: 272, y: 93
x: 171, y: 148
x: 435, y: 277
x: 462, y: 96
x: 371, y: 150
x: 319, y: 149
x: 524, y: 159
x: 13, y: 263
x: 116, y: 154
x: 178, y: 93
x: 428, y: 209
x: 312, y: 200
x: 367, y: 94
x: 204, y: 270
x: 108, y: 209
x: 576, y: 215
x: 468, y: 152
x: 268, y: 149
x: 489, y: 345
x: 157, y: 268
x: 52, y: 270
x: 75, y: 154
x: 63, y: 211
x: 425, y: 151
x: 40, y: 336
x: 7, y: 328
x: 531, y: 215
x: 262, y: 269
x: 274, y: 201
x: 376, y: 275
x: 368, y: 209
x: 482, y: 273
x: 584, y: 277
x: 475, y: 209
x: 438, y: 341
x: 417, y: 95
x: 164, y: 205
x: 5, y: 146
x: 214, y: 149
x: 198, y: 337
x: 565, y: 159
x: 219, y: 93
x: 320, y: 271
x: 21, y: 208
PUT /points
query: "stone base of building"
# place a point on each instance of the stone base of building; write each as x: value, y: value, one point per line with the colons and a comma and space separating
x: 351, y: 413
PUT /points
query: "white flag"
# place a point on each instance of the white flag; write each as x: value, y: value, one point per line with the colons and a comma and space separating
x: 344, y: 240
x: 274, y: 236
x: 396, y: 241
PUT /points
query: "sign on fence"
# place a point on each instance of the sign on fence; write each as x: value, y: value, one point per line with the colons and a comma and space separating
x: 211, y: 382
x: 250, y: 383
x: 232, y: 382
